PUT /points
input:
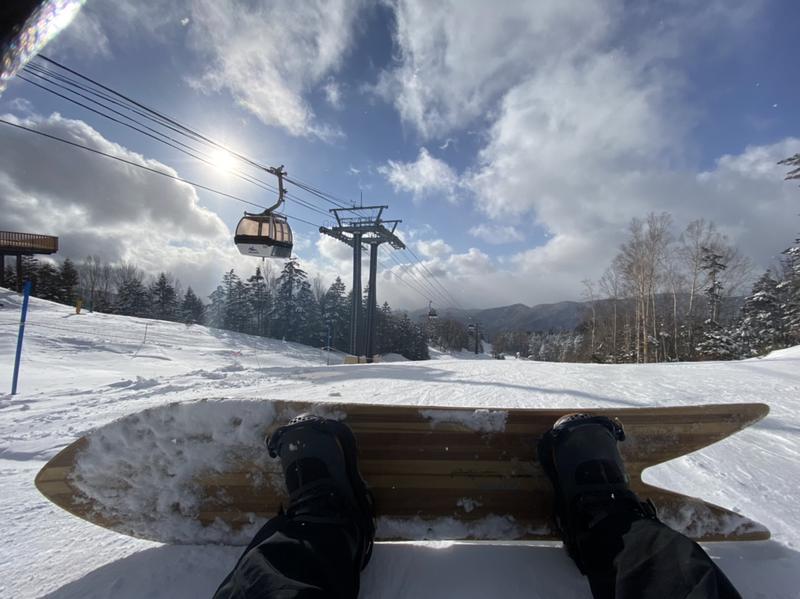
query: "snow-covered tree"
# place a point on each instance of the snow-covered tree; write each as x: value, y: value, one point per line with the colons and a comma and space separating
x: 720, y: 342
x: 762, y: 323
x: 790, y: 291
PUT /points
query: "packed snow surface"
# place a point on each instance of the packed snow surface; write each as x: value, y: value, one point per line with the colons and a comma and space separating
x: 80, y: 372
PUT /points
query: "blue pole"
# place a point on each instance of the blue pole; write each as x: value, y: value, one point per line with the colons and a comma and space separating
x: 328, y: 324
x: 26, y: 291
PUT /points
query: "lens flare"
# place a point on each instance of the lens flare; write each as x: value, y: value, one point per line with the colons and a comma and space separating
x: 28, y: 38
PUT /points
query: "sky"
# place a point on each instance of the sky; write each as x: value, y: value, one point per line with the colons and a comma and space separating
x: 515, y: 140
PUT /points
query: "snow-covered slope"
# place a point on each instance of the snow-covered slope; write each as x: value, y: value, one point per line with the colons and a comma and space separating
x: 82, y: 371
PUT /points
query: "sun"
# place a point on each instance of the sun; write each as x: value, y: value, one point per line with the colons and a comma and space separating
x: 223, y: 160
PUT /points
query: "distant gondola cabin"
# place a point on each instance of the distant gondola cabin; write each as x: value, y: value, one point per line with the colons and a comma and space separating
x: 264, y: 235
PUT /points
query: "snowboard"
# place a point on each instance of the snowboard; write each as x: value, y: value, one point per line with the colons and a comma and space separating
x: 198, y: 472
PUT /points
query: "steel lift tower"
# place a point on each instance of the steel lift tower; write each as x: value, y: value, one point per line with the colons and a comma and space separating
x: 355, y: 227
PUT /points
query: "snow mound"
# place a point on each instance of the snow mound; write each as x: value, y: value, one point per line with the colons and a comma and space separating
x: 481, y: 420
x: 142, y: 471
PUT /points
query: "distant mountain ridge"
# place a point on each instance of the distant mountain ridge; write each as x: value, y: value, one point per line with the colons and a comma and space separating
x: 542, y: 318
x: 560, y: 316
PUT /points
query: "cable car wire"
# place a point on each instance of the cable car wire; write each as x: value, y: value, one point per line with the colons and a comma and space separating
x: 59, y: 80
x: 206, y: 158
x: 181, y: 179
x: 431, y: 291
x: 240, y: 174
x: 450, y: 296
x: 183, y: 128
x: 129, y: 162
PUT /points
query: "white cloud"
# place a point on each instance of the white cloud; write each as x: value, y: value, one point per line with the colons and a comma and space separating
x: 744, y: 194
x: 269, y: 56
x: 588, y: 124
x: 433, y: 249
x: 458, y: 56
x: 496, y: 234
x: 335, y: 251
x: 102, y: 207
x: 333, y: 93
x: 560, y: 133
x: 427, y: 177
x: 474, y: 262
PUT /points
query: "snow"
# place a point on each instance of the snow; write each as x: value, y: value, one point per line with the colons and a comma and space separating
x: 219, y: 430
x: 480, y: 420
x: 80, y: 372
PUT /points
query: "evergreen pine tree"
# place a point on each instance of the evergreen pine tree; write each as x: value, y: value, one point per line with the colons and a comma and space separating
x: 48, y: 283
x: 790, y: 292
x: 717, y: 342
x: 762, y: 325
x: 163, y: 299
x: 284, y: 306
x: 192, y: 310
x: 336, y: 311
x: 419, y: 344
x: 68, y: 282
x: 260, y: 303
x: 238, y: 314
x: 308, y: 321
x: 132, y: 298
x: 9, y: 277
x: 216, y: 309
x: 385, y: 333
x: 30, y: 271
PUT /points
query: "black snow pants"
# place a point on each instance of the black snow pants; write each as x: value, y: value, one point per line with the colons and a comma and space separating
x: 288, y: 559
x: 624, y: 559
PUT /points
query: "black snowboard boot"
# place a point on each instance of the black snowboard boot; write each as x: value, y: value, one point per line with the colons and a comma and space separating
x: 319, y: 458
x: 594, y: 505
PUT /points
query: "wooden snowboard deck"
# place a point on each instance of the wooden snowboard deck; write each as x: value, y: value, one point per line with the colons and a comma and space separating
x: 435, y: 472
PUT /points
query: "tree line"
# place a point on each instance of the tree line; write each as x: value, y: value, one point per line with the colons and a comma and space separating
x: 282, y: 305
x: 668, y: 297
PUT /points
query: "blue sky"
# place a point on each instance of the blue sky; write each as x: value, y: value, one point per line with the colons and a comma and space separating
x: 547, y: 125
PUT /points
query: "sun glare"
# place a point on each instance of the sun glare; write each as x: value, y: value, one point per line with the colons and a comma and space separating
x: 223, y: 161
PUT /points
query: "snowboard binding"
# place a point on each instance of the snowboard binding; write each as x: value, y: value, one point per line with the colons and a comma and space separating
x: 580, y: 456
x: 319, y: 457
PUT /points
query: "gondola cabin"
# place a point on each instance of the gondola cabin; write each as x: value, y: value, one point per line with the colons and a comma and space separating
x: 432, y: 315
x: 265, y: 235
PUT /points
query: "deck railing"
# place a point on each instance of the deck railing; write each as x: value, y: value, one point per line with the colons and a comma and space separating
x: 22, y: 243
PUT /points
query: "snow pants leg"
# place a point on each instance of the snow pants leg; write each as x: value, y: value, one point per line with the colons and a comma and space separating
x: 645, y: 559
x: 288, y: 559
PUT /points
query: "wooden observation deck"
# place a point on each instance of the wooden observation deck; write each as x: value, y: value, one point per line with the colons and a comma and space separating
x: 24, y: 244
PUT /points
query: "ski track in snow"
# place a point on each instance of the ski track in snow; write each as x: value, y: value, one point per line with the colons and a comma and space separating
x: 83, y: 371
